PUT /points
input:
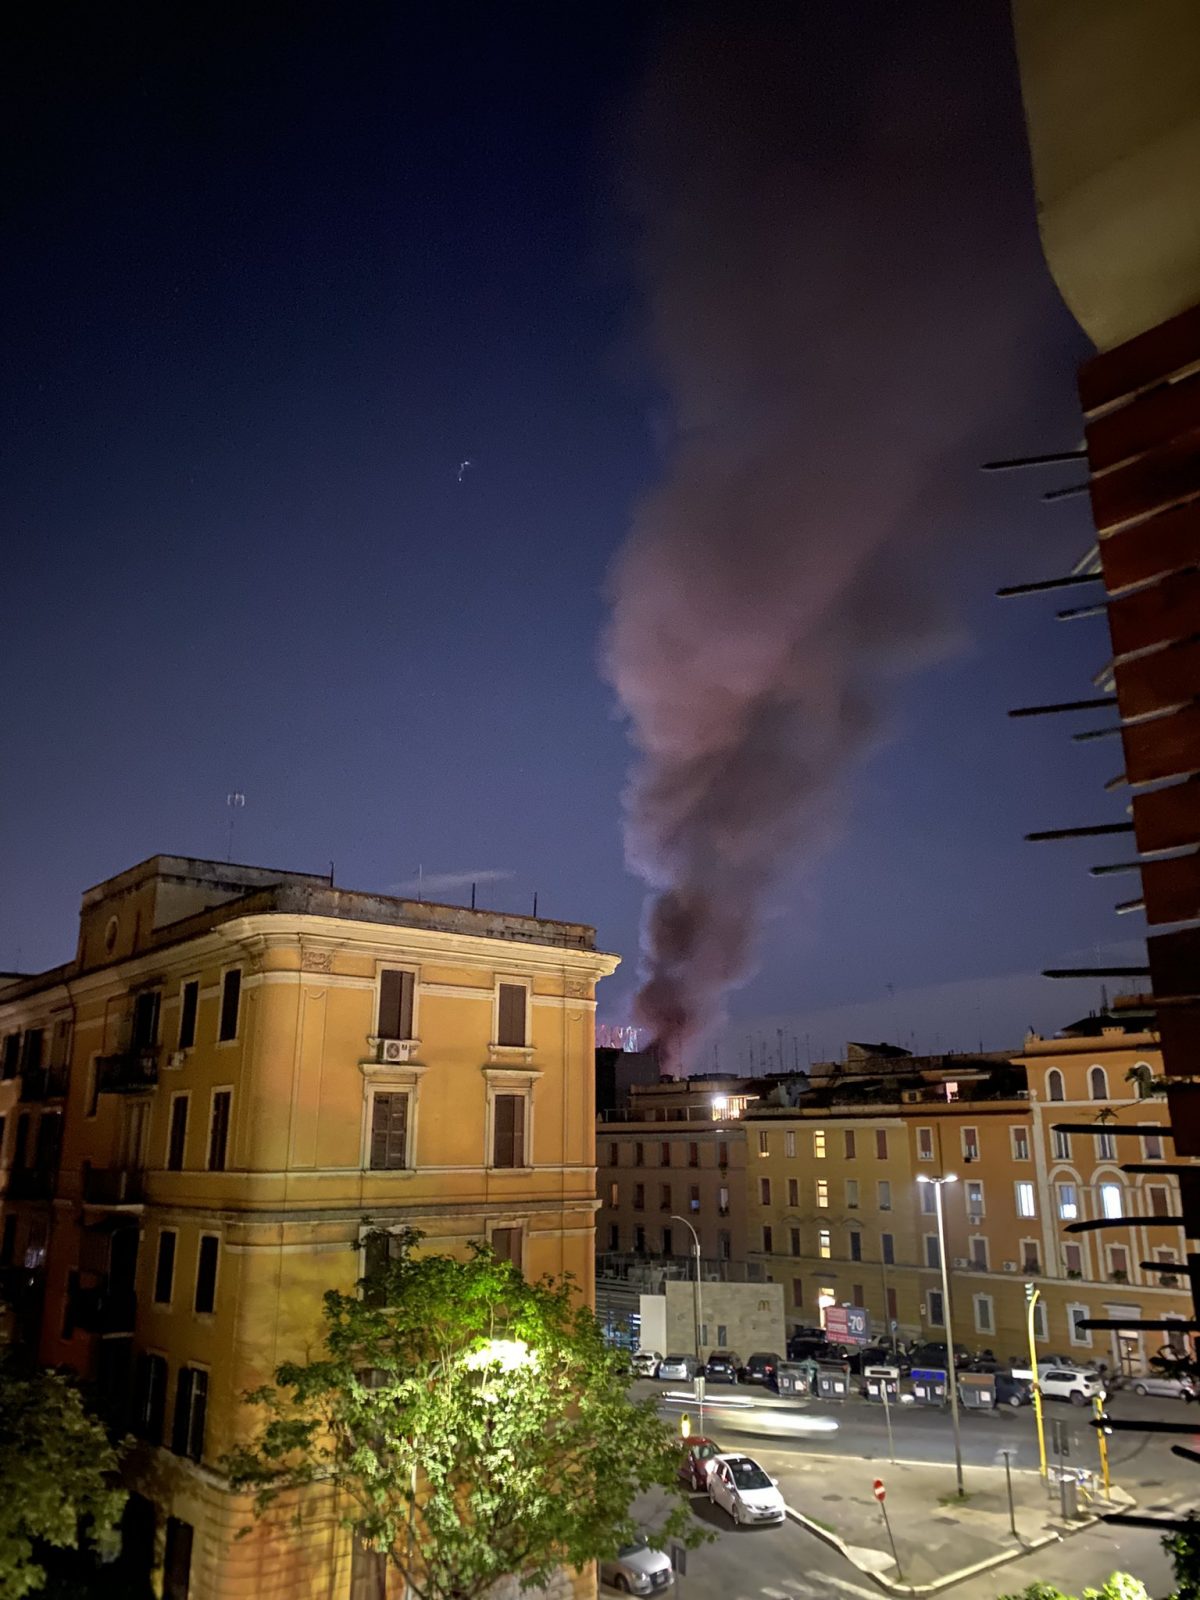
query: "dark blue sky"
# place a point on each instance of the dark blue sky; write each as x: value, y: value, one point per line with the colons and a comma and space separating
x: 267, y: 285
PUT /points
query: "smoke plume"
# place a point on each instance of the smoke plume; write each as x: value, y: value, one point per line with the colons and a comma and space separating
x: 825, y: 268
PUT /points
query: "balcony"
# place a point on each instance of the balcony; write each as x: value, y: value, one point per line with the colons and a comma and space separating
x: 30, y: 1183
x: 106, y: 1311
x: 113, y: 1186
x: 44, y: 1083
x: 130, y: 1072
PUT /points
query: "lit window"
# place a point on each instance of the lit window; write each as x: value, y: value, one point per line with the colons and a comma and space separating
x: 824, y: 1244
x: 1026, y: 1206
x: 1110, y: 1200
x: 764, y: 1144
x: 819, y: 1144
x: 822, y: 1192
x: 1068, y: 1203
x: 974, y: 1190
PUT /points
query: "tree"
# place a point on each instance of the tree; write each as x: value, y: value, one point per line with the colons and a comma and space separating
x: 57, y: 1476
x: 476, y: 1425
x: 1120, y: 1586
x: 1183, y: 1547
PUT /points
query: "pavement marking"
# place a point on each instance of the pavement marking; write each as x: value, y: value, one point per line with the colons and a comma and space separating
x: 844, y: 1586
x: 775, y: 1594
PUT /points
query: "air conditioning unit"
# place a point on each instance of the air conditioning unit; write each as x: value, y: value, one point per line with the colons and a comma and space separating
x: 910, y: 1097
x: 1010, y: 1266
x: 975, y: 1218
x: 175, y: 1059
x: 960, y: 1262
x: 393, y: 1051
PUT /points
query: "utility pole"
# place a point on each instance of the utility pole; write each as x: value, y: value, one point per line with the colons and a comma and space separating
x: 1032, y: 1295
x: 951, y: 1374
x: 695, y: 1310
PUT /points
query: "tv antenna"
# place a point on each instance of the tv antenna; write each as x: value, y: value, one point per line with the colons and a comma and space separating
x: 235, y: 802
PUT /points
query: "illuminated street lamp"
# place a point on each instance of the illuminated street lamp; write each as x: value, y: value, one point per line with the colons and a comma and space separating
x: 695, y: 1306
x: 951, y: 1374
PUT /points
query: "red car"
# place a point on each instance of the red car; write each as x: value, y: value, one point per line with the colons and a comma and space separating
x: 696, y: 1454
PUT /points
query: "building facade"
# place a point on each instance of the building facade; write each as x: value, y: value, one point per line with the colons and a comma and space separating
x: 240, y: 1072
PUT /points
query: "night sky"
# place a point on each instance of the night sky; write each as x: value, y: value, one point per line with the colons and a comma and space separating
x: 270, y: 282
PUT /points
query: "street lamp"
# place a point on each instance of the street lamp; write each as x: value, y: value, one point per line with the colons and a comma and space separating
x: 695, y: 1303
x: 951, y: 1374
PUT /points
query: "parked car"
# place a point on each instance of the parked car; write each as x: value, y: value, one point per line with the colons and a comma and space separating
x: 740, y: 1487
x: 645, y: 1363
x: 1013, y: 1391
x: 696, y: 1456
x: 637, y: 1569
x: 870, y: 1355
x: 677, y: 1367
x: 1069, y: 1383
x: 809, y: 1344
x: 723, y: 1366
x: 933, y: 1354
x: 761, y: 1367
x: 1180, y: 1388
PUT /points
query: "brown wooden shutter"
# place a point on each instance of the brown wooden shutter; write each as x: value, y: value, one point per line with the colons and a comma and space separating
x: 389, y: 1130
x: 506, y: 1243
x: 512, y: 1014
x: 177, y: 1560
x: 181, y: 1424
x: 395, y: 1004
x: 206, y: 1272
x: 509, y: 1140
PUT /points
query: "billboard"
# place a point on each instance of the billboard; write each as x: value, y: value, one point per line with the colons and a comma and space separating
x: 847, y: 1324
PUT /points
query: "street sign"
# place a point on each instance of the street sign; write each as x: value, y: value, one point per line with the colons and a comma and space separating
x: 878, y: 1490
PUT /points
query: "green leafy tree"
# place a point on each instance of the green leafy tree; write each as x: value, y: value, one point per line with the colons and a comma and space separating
x: 475, y: 1424
x: 1183, y: 1547
x: 1120, y: 1586
x: 57, y: 1476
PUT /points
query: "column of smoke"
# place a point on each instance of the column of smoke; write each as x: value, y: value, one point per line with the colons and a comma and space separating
x: 829, y: 315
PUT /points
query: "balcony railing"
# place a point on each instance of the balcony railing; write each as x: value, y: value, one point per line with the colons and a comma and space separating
x: 130, y: 1072
x: 113, y: 1186
x: 651, y: 1271
x: 44, y: 1083
x: 30, y: 1183
x: 105, y: 1310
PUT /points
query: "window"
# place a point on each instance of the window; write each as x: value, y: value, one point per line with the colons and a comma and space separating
x: 1020, y: 1143
x: 1054, y: 1084
x: 978, y: 1246
x: 1118, y: 1263
x: 508, y: 1130
x: 231, y: 1000
x: 1039, y: 1319
x: 1110, y: 1200
x: 664, y: 1197
x: 852, y: 1194
x: 937, y: 1311
x: 507, y: 1246
x: 855, y: 1244
x: 892, y: 1304
x: 368, y: 1572
x: 614, y: 1236
x: 511, y: 1004
x: 928, y: 1193
x: 881, y: 1144
x: 20, y: 1142
x: 614, y: 1194
x: 639, y: 1239
x: 164, y: 1267
x: 639, y: 1154
x: 1068, y: 1202
x: 191, y: 1404
x: 218, y: 1129
x: 614, y: 1154
x: 48, y: 1144
x: 933, y: 1256
x: 723, y: 1153
x: 924, y: 1144
x: 177, y: 1560
x: 797, y: 1291
x: 8, y: 1239
x: 768, y: 1242
x: 639, y: 1197
x: 764, y: 1146
x: 1030, y: 1259
x: 849, y: 1138
x: 150, y: 1402
x: 1152, y: 1147
x: 394, y: 1019
x: 1098, y: 1084
x: 970, y: 1144
x: 3, y: 1127
x: 31, y: 1052
x: 12, y: 1054
x: 795, y: 1241
x: 823, y: 1192
x: 1026, y: 1205
x: 206, y: 1273
x: 793, y: 1191
x: 1061, y: 1145
x: 1073, y: 1260
x: 1106, y: 1147
x: 764, y: 1191
x: 724, y: 1244
x: 1076, y: 1315
x: 1157, y: 1197
x: 389, y: 1130
x: 887, y: 1249
x: 693, y: 1155
x: 818, y: 1144
x: 974, y: 1193
x: 722, y: 1336
x: 664, y: 1153
x: 824, y: 1244
x: 693, y: 1197
x: 984, y: 1319
x: 189, y: 1005
x: 789, y: 1143
x: 145, y: 1019
x: 722, y: 1201
x: 177, y: 1137
x: 884, y: 1191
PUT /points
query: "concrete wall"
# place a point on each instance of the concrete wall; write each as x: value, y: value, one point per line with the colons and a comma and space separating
x: 750, y: 1315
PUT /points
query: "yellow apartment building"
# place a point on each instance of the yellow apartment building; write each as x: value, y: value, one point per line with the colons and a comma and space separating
x: 835, y: 1210
x: 237, y: 1074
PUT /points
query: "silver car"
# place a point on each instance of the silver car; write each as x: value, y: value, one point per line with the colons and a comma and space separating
x: 677, y: 1367
x: 636, y: 1569
x: 1182, y: 1388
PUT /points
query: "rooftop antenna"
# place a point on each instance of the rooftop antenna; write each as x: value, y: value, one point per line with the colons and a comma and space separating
x: 535, y: 902
x: 420, y: 882
x: 234, y: 802
x: 472, y: 897
x: 331, y: 874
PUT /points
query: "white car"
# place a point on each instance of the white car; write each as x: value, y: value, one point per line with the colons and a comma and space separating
x: 636, y: 1569
x: 740, y: 1486
x: 645, y: 1363
x: 1182, y: 1388
x: 677, y: 1367
x: 1070, y: 1383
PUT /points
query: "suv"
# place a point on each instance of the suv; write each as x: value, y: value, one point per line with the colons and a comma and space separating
x: 1070, y: 1383
x: 761, y: 1368
x: 723, y: 1366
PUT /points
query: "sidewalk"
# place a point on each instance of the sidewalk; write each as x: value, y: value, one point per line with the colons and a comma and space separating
x: 939, y: 1540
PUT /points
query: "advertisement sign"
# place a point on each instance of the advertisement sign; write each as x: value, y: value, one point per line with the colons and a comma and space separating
x: 847, y: 1324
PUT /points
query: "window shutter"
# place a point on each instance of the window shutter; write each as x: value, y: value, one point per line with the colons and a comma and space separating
x: 199, y: 1415
x: 512, y: 1014
x: 206, y: 1272
x: 509, y: 1137
x: 231, y: 994
x: 395, y: 1004
x: 389, y: 1130
x: 183, y: 1411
